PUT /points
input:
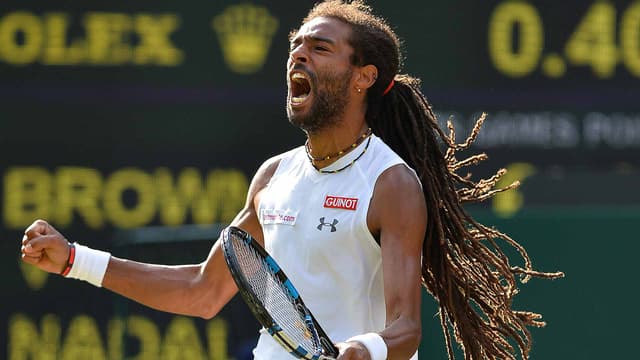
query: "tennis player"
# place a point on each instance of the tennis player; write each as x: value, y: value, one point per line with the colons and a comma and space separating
x: 360, y: 217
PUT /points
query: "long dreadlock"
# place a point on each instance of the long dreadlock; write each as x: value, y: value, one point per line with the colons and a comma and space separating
x: 463, y: 266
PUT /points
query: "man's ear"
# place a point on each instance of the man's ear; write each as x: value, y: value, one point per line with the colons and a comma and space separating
x: 366, y: 76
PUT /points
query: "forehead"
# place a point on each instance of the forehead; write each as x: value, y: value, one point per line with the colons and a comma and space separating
x: 324, y: 28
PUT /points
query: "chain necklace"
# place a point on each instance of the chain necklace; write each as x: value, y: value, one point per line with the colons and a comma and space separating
x: 339, y: 153
x: 366, y: 135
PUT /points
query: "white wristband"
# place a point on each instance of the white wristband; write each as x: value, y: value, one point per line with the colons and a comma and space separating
x: 89, y: 265
x: 374, y: 343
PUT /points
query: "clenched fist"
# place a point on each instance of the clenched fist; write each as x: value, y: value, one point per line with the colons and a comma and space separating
x: 44, y: 247
x: 352, y: 351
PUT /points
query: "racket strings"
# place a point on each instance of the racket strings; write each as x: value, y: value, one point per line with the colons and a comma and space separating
x: 274, y: 296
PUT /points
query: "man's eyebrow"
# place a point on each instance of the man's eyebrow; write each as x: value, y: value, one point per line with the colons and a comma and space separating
x: 321, y: 39
x: 295, y: 39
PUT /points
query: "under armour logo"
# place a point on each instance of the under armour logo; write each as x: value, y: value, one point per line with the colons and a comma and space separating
x: 332, y: 224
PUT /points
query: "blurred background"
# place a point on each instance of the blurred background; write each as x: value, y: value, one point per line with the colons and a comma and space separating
x: 135, y: 127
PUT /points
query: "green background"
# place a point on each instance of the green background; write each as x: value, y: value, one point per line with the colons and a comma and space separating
x: 589, y: 313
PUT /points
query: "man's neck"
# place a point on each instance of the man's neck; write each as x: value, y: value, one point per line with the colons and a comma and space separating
x: 328, y: 145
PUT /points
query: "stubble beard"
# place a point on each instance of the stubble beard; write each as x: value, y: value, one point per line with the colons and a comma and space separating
x: 329, y: 103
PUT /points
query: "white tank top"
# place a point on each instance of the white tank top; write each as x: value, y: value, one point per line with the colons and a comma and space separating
x: 315, y: 227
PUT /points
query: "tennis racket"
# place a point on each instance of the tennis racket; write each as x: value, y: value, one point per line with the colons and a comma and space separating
x: 272, y: 298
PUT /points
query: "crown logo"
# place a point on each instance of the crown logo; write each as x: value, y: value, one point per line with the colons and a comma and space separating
x: 245, y: 32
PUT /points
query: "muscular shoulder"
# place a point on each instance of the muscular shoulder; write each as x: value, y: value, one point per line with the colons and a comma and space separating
x: 398, y: 177
x: 264, y: 174
x: 397, y: 198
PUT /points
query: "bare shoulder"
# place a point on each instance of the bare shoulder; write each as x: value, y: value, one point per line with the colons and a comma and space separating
x: 264, y: 174
x: 399, y: 178
x: 261, y: 179
x: 397, y: 198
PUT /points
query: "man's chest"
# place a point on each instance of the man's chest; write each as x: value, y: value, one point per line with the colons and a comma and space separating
x: 298, y: 214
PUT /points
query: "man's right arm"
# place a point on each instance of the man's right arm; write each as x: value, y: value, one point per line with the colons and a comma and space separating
x: 195, y: 290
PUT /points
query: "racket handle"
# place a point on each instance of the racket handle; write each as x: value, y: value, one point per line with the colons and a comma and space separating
x: 330, y: 350
x: 333, y: 352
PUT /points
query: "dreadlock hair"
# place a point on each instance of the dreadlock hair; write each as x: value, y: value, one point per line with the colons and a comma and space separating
x: 463, y: 266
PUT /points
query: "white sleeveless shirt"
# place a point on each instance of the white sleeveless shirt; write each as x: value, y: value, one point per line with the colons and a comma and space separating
x: 315, y: 227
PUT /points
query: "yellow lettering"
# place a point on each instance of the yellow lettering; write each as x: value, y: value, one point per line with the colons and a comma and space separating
x: 27, y: 196
x: 79, y: 189
x: 521, y: 61
x: 143, y: 329
x: 83, y: 340
x: 182, y: 341
x: 56, y: 51
x: 106, y: 38
x: 508, y: 203
x: 223, y: 198
x: 109, y: 39
x: 128, y: 198
x: 155, y: 46
x: 115, y: 339
x: 143, y: 211
x: 148, y: 334
x: 34, y: 277
x: 594, y: 40
x: 227, y: 189
x: 24, y: 334
x: 174, y: 200
x: 630, y: 38
x: 29, y: 28
x: 217, y: 331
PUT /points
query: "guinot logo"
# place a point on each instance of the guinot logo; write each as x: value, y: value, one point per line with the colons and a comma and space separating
x: 340, y: 202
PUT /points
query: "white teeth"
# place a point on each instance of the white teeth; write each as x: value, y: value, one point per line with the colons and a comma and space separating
x: 299, y: 77
x: 298, y: 99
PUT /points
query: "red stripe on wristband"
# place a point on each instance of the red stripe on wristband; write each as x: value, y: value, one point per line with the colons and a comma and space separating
x: 72, y: 258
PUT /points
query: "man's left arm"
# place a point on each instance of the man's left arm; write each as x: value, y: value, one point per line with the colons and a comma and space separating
x: 397, y: 217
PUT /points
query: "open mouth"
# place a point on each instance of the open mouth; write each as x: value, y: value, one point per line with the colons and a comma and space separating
x: 300, y: 87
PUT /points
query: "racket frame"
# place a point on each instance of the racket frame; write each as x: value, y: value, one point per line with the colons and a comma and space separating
x: 329, y: 351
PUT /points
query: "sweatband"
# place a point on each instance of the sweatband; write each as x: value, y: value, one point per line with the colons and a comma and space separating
x: 374, y: 343
x: 89, y: 265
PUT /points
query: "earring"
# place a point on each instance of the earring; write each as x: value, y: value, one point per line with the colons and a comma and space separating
x: 359, y: 90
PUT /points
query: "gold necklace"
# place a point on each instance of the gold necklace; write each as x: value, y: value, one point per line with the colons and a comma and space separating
x: 367, y: 136
x: 339, y: 153
x: 349, y: 164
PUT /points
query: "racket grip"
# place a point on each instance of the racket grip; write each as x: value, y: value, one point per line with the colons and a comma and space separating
x: 330, y: 350
x: 333, y: 352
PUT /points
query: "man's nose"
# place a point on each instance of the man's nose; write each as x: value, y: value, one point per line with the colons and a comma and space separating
x: 299, y: 54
